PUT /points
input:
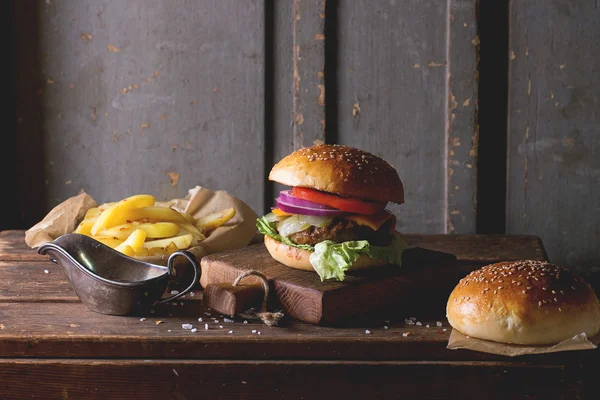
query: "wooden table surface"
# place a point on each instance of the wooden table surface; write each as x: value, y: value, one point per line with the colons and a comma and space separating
x: 51, y: 346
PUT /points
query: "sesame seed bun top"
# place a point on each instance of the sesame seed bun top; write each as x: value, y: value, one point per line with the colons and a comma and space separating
x: 341, y: 170
x: 524, y: 302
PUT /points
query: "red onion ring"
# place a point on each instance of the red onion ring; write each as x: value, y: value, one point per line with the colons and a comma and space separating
x: 304, y: 210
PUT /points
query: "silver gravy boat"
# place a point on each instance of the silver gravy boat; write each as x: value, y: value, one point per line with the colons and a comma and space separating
x: 109, y: 282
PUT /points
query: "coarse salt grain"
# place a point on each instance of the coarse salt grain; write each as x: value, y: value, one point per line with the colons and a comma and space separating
x: 200, y: 319
x: 169, y: 330
x: 405, y: 334
x: 206, y: 326
x: 230, y: 332
x: 253, y: 330
x: 419, y: 323
x: 245, y: 321
x: 186, y: 326
x: 258, y: 332
x: 427, y: 326
x: 193, y: 330
x: 46, y: 271
x: 216, y: 321
x: 221, y: 326
x: 174, y: 291
x: 192, y: 294
x: 207, y: 314
x: 142, y: 319
x: 368, y: 332
x: 444, y: 330
x: 227, y: 320
x: 438, y: 323
x: 385, y: 327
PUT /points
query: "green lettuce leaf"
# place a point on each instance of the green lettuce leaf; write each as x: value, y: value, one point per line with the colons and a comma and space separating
x: 331, y: 260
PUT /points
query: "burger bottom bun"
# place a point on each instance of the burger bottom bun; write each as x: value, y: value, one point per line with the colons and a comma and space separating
x: 299, y: 259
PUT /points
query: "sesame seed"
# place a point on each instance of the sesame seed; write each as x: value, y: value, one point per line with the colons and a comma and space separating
x: 523, y: 292
x: 555, y: 300
x: 539, y: 303
x: 544, y: 288
x: 495, y: 292
x: 499, y: 287
x: 554, y: 292
x: 559, y: 309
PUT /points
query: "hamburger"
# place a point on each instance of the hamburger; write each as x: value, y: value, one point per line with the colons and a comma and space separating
x: 523, y: 302
x: 334, y: 218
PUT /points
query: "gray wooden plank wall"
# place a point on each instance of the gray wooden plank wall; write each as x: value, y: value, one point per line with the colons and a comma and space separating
x: 116, y: 95
x: 554, y: 137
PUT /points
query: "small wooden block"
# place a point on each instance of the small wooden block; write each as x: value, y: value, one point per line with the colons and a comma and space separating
x: 231, y: 300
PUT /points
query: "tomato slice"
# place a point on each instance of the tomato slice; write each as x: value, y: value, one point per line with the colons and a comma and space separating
x: 341, y: 203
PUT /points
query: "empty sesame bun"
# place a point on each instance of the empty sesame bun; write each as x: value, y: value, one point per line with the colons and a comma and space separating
x: 297, y: 258
x: 341, y: 170
x: 523, y: 302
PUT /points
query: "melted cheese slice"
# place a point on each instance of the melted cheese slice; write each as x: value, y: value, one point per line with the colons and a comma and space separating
x: 374, y: 221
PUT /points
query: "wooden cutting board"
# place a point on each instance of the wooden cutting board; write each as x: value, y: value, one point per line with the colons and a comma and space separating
x: 303, y: 296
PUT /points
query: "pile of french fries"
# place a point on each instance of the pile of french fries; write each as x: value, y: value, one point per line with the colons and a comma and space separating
x: 138, y: 226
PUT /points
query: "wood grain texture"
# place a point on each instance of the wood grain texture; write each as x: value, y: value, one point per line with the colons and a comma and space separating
x: 462, y: 120
x: 308, y: 63
x: 34, y: 282
x: 394, y: 63
x: 129, y: 93
x: 304, y: 296
x: 553, y: 143
x: 13, y: 247
x: 287, y: 380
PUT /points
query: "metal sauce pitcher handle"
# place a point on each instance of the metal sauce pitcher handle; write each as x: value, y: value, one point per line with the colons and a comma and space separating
x: 195, y: 264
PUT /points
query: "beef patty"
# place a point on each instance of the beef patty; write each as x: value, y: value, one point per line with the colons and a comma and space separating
x: 342, y: 230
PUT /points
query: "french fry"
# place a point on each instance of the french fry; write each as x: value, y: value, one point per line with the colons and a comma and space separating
x: 110, y: 242
x: 171, y: 248
x: 135, y: 240
x: 182, y: 242
x: 156, y: 214
x: 85, y: 226
x: 191, y: 229
x: 117, y: 213
x: 141, y: 252
x: 154, y: 230
x: 92, y: 213
x: 211, y: 222
x: 125, y: 249
x: 157, y: 251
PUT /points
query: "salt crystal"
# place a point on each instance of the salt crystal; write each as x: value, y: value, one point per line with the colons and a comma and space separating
x: 258, y: 332
x: 221, y: 326
x: 444, y: 329
x: 200, y: 319
x: 193, y: 330
x: 405, y: 334
x: 385, y: 327
x: 186, y: 326
x: 46, y: 271
x: 206, y: 326
x: 174, y: 291
x: 142, y: 319
x: 427, y: 326
x: 207, y: 313
x: 227, y: 320
x: 216, y: 321
x: 253, y: 330
x: 419, y: 323
x: 438, y: 323
x: 192, y: 294
x: 169, y: 330
x: 368, y: 332
x: 230, y: 332
x: 245, y: 321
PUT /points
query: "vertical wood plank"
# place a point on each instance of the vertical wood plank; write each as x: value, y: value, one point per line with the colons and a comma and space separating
x: 462, y: 126
x: 308, y: 63
x: 398, y: 80
x: 553, y: 141
x: 134, y: 91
